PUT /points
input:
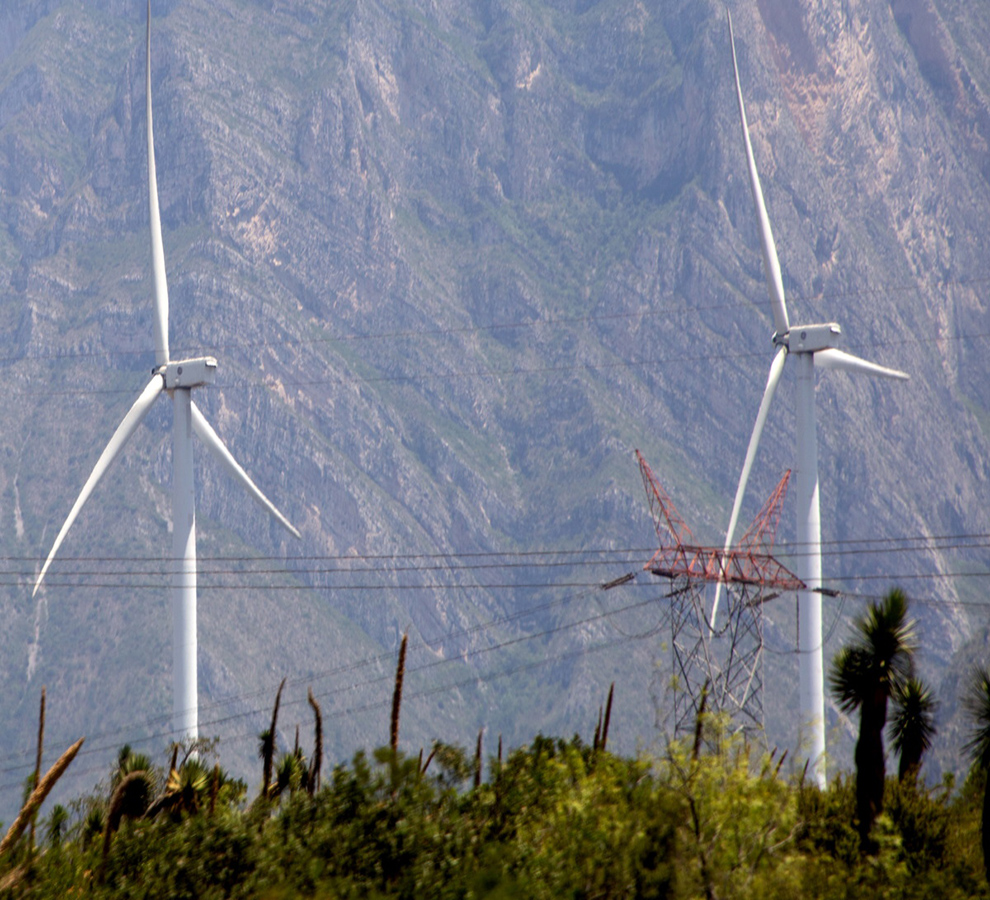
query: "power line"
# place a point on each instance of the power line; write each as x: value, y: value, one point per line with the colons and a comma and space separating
x: 784, y: 550
x: 541, y: 607
x: 429, y: 644
x: 502, y: 554
x: 554, y: 321
x: 383, y: 335
x: 429, y: 586
x: 488, y: 372
x: 364, y: 557
x: 57, y: 580
x: 381, y: 704
x: 342, y: 713
x: 379, y: 658
x: 487, y: 586
x: 449, y: 561
x: 922, y: 576
x: 411, y: 670
x: 167, y: 566
x: 485, y: 372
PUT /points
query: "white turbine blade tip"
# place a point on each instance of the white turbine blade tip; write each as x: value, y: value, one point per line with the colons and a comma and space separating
x: 771, y: 263
x: 160, y: 320
x: 204, y: 431
x: 839, y: 359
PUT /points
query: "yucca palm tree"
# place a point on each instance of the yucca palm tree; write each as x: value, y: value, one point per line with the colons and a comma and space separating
x: 864, y: 676
x: 912, y: 726
x: 977, y: 704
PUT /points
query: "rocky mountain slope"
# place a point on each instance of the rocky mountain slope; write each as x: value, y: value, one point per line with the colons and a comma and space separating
x: 457, y: 260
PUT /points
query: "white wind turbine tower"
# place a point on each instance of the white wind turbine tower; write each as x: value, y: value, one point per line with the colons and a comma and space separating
x: 811, y: 346
x: 176, y: 378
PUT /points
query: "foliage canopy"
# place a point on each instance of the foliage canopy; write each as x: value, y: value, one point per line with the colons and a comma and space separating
x: 555, y: 819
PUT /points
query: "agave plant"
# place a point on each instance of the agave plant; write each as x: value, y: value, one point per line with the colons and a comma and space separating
x: 94, y: 823
x: 127, y: 762
x: 185, y: 790
x: 291, y: 774
x: 58, y: 821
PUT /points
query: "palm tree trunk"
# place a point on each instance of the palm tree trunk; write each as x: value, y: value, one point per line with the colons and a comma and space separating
x: 477, y: 760
x: 871, y: 769
x: 985, y: 826
x: 37, y: 763
x: 910, y: 763
x: 608, y: 715
x: 269, y: 750
x: 400, y: 672
x: 317, y: 761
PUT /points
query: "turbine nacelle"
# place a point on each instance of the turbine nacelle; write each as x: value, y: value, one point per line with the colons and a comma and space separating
x: 188, y: 373
x: 810, y: 338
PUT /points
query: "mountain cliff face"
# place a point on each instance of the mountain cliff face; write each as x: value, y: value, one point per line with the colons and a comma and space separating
x: 457, y: 259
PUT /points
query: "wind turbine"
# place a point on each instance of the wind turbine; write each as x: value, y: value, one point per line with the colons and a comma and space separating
x: 177, y: 378
x: 810, y: 346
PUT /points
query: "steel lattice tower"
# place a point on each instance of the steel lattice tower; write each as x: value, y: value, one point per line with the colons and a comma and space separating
x: 718, y: 669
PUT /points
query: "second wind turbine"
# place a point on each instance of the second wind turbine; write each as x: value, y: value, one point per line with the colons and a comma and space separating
x: 177, y: 378
x: 811, y: 346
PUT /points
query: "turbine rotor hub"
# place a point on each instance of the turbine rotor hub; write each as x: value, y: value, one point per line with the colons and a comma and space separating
x: 188, y: 373
x: 810, y: 338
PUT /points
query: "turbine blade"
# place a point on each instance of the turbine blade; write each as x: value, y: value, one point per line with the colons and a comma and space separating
x: 771, y: 264
x: 839, y: 359
x: 204, y: 431
x: 773, y: 379
x: 135, y: 415
x: 160, y: 319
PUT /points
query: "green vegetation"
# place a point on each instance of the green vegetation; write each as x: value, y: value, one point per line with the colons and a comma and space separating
x: 978, y: 706
x: 555, y: 819
x: 709, y: 817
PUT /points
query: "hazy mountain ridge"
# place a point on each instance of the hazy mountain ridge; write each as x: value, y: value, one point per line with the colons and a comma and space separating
x: 457, y: 260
